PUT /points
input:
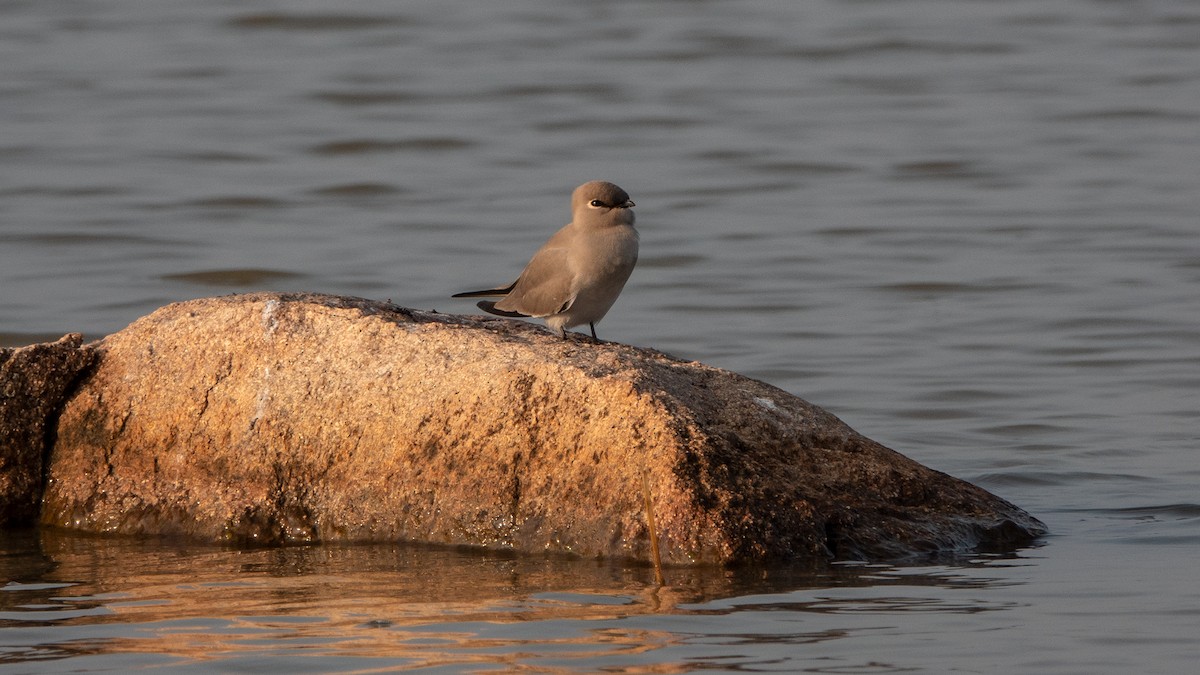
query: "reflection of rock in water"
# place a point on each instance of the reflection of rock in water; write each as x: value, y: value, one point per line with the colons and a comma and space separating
x: 272, y: 418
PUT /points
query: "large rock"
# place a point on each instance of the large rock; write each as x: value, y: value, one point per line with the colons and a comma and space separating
x: 296, y: 418
x: 34, y: 382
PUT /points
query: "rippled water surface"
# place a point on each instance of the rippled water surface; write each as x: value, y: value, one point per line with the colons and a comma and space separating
x: 969, y: 229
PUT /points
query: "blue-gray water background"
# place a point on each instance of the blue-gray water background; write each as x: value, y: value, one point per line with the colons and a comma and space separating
x: 969, y: 229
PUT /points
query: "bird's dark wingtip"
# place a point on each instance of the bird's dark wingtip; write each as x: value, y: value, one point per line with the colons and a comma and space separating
x: 489, y: 306
x: 486, y: 292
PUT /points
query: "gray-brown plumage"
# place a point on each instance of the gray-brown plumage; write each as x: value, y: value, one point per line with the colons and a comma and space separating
x: 576, y: 276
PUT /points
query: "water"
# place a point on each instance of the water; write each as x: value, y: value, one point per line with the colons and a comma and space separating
x: 969, y: 229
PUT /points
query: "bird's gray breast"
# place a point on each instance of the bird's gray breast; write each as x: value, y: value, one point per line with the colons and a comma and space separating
x: 601, y: 273
x: 608, y: 256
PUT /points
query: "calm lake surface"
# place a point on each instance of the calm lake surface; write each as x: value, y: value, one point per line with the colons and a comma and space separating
x: 969, y: 229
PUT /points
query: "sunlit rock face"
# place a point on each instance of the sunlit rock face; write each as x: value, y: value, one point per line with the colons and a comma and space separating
x: 277, y: 419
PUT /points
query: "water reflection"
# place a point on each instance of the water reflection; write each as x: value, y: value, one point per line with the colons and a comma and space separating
x: 184, y: 605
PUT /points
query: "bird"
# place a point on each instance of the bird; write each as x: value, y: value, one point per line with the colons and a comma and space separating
x: 576, y: 276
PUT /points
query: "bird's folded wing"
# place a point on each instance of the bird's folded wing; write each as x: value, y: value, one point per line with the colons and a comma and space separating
x: 545, y: 287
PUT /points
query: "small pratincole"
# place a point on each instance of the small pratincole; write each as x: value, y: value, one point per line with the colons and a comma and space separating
x: 576, y: 276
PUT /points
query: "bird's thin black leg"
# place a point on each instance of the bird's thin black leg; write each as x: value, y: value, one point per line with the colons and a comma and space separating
x: 593, y: 327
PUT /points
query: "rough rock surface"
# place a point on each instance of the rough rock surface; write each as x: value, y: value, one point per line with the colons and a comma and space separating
x: 33, y: 385
x: 294, y: 418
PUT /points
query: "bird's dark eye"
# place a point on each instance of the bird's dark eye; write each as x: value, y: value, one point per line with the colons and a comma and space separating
x: 598, y: 203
